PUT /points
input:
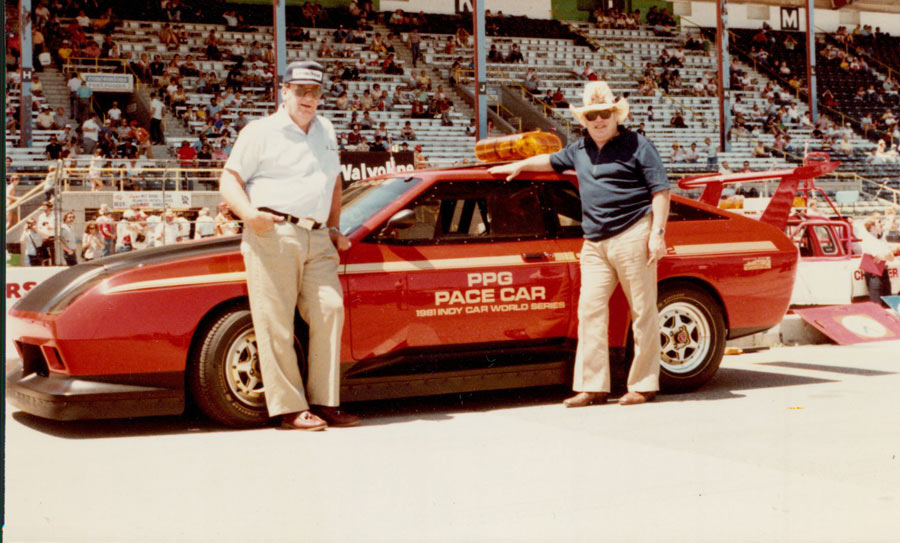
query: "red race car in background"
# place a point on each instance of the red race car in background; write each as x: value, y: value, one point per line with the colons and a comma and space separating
x: 456, y: 281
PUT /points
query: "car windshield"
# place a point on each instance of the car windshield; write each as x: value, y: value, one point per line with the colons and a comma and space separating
x: 363, y: 199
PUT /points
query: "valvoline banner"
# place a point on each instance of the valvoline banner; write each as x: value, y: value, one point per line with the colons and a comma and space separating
x: 356, y: 165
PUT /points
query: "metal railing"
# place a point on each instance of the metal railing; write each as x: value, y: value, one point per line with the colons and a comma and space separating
x: 548, y: 110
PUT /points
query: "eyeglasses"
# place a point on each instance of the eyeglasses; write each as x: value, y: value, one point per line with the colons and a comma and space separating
x: 302, y: 90
x: 603, y: 114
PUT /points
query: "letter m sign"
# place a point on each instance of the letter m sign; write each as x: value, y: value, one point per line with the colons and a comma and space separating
x: 790, y: 18
x: 464, y: 6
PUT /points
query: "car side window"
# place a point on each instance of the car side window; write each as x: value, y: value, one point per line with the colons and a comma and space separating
x: 805, y: 243
x: 471, y: 212
x: 826, y: 240
x: 564, y: 202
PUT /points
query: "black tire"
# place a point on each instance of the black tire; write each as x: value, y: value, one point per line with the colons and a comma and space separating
x: 224, y: 376
x: 692, y: 335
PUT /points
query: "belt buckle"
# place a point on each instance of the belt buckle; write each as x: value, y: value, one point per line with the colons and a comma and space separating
x: 307, y: 224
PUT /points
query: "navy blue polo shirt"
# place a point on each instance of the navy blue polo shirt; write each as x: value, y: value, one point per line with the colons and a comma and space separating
x: 616, y: 182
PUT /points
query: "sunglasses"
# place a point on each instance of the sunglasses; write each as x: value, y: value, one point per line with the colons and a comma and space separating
x: 302, y: 90
x: 603, y: 114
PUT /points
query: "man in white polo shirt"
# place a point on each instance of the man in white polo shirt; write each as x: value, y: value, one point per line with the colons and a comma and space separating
x: 283, y: 180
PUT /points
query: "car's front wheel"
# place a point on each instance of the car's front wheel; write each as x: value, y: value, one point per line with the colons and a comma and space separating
x: 225, y: 378
x: 692, y: 336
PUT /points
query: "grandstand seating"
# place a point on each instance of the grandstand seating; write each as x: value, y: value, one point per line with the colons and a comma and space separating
x: 556, y: 50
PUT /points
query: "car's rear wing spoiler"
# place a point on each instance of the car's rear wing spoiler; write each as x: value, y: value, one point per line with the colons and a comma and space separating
x: 776, y: 213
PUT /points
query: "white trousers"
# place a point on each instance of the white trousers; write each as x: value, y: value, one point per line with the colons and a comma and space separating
x: 290, y: 267
x: 605, y: 264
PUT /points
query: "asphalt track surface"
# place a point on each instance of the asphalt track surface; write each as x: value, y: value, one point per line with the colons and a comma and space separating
x: 785, y: 444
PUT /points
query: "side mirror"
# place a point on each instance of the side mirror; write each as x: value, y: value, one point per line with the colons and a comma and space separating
x: 401, y: 220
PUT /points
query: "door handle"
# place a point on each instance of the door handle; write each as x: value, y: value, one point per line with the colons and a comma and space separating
x: 535, y: 257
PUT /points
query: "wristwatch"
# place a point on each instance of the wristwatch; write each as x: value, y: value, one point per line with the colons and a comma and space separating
x: 335, y: 228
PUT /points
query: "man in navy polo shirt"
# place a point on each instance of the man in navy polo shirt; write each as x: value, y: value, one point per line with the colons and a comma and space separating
x: 625, y: 203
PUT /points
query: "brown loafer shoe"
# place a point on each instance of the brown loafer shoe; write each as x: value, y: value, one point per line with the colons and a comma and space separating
x: 634, y: 397
x: 335, y: 416
x: 584, y: 399
x: 304, y: 420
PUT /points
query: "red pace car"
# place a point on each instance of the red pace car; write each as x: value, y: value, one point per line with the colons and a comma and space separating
x: 456, y: 281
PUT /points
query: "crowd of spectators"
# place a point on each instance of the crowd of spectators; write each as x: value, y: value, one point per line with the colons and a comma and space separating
x: 113, y: 233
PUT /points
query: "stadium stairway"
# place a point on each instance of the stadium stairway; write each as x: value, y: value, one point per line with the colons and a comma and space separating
x: 403, y: 53
x: 56, y: 93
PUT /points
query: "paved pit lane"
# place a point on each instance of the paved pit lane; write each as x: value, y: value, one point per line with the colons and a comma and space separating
x: 785, y: 444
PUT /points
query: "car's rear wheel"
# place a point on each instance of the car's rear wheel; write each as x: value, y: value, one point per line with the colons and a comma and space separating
x: 225, y: 378
x: 692, y: 337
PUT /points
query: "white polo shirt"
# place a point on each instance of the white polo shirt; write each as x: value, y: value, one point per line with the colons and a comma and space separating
x: 285, y: 169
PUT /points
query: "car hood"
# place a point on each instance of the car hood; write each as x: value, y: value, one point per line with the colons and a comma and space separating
x: 71, y: 282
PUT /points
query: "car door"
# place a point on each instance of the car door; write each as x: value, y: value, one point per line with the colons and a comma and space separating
x: 478, y: 267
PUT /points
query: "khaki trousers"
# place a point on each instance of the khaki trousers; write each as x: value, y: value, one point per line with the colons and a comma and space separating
x: 604, y: 264
x: 290, y: 267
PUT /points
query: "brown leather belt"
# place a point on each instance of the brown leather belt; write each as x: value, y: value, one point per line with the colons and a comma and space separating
x: 309, y: 224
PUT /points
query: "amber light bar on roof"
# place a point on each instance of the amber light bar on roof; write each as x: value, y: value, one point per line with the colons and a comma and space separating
x: 517, y: 146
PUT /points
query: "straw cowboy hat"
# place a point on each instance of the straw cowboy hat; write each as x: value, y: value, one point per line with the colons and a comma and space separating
x: 597, y: 96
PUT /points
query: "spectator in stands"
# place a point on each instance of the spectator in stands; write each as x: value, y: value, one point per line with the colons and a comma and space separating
x: 445, y: 107
x: 83, y: 101
x: 419, y: 159
x: 377, y: 145
x: 759, y: 150
x: 46, y: 227
x: 91, y: 242
x: 415, y: 44
x: 407, y: 133
x: 54, y: 149
x: 90, y: 133
x: 725, y: 168
x: 558, y: 99
x: 884, y: 154
x: 692, y: 155
x: 867, y: 123
x: 168, y: 232
x: 678, y: 153
x: 846, y: 146
x: 44, y: 119
x: 156, y: 117
x: 417, y: 111
x: 677, y: 120
x: 114, y: 113
x: 187, y: 155
x: 95, y: 175
x: 205, y: 226
x: 876, y: 254
x: 125, y: 232
x: 59, y: 118
x: 67, y: 239
x: 226, y: 223
x: 515, y: 55
x: 494, y: 54
x: 31, y: 243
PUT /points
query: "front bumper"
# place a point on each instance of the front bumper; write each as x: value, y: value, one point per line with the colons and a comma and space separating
x: 63, y: 397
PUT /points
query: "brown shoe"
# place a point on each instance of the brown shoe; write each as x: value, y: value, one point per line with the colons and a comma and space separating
x: 584, y: 399
x: 335, y: 416
x: 304, y: 420
x: 634, y: 397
